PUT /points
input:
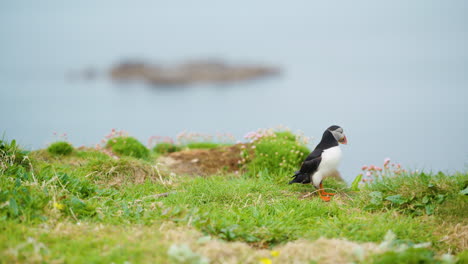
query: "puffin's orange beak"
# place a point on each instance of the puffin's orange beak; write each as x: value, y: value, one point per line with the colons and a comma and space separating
x: 344, y: 140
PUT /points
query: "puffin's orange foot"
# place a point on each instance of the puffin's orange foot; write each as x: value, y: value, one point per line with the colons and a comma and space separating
x: 325, y: 198
x: 322, y: 191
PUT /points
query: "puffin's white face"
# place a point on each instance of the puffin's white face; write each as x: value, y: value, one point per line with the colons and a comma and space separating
x: 339, y: 135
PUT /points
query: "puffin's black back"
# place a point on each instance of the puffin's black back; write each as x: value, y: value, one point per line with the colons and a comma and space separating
x: 328, y: 140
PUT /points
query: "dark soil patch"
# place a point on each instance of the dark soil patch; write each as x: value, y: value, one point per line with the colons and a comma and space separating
x: 204, y: 161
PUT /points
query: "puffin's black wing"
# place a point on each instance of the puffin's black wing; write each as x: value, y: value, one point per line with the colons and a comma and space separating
x: 308, y: 168
x: 317, y: 153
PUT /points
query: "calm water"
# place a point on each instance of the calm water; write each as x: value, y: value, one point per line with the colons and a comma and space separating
x: 393, y: 75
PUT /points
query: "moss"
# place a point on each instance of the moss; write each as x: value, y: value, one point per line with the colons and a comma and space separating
x: 128, y: 146
x: 60, y: 148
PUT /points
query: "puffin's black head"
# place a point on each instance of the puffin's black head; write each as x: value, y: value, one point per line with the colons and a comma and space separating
x: 337, y: 132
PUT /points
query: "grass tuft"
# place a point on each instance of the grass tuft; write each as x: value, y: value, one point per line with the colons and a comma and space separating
x: 165, y: 148
x: 128, y: 146
x: 277, y: 152
x: 60, y: 148
x: 11, y: 154
x: 117, y: 172
x: 204, y: 145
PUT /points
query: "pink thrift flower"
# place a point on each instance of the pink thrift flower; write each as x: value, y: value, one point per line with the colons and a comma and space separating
x: 368, y: 174
x: 364, y: 168
x: 378, y: 168
x: 386, y: 161
x: 249, y: 135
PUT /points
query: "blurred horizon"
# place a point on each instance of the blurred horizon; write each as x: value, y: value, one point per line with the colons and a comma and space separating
x: 394, y: 74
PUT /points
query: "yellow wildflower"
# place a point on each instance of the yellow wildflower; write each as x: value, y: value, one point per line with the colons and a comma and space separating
x: 265, y: 261
x: 59, y: 206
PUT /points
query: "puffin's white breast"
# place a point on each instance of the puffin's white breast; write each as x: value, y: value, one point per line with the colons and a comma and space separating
x: 330, y: 160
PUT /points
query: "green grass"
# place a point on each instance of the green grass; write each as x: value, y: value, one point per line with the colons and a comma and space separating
x: 89, y: 207
x: 84, y: 243
x: 249, y: 209
x: 204, y: 145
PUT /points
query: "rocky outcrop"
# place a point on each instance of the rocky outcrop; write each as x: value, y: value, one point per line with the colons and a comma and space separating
x: 189, y: 72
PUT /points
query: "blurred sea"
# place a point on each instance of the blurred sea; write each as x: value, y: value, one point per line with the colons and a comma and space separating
x: 393, y: 74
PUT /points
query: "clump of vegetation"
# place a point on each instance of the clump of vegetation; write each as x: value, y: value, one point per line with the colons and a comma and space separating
x: 412, y: 255
x: 188, y: 141
x: 117, y: 172
x: 128, y: 146
x: 19, y: 200
x: 186, y: 138
x: 414, y: 194
x: 192, y: 140
x: 28, y: 196
x: 271, y: 151
x: 409, y: 192
x: 60, y: 148
x: 11, y: 154
x: 165, y: 148
x: 204, y: 145
x: 398, y: 251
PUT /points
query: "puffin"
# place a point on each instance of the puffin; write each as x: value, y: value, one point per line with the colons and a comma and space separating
x: 322, y: 161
